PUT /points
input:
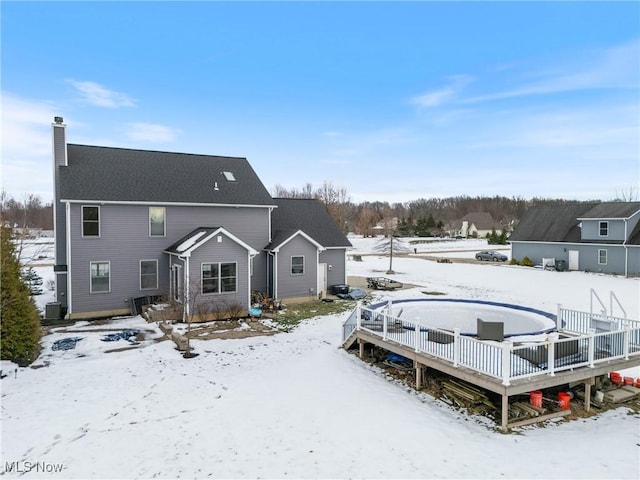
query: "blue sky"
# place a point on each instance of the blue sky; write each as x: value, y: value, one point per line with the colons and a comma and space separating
x: 393, y: 101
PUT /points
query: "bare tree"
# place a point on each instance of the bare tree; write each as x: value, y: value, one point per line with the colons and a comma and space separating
x: 627, y: 195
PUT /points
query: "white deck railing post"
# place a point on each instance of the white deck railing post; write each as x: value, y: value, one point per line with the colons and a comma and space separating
x: 506, y: 363
x: 456, y: 346
x: 385, y: 317
x: 551, y: 355
x: 626, y: 338
x: 358, y: 316
x: 559, y: 317
x: 591, y: 347
x: 416, y: 341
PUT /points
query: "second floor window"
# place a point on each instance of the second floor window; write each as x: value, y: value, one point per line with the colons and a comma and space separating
x: 157, y: 221
x: 90, y: 221
x: 297, y: 265
x: 604, y: 229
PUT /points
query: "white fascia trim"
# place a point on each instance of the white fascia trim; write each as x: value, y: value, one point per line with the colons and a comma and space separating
x: 205, y: 239
x: 161, y: 203
x: 602, y: 219
x: 299, y: 232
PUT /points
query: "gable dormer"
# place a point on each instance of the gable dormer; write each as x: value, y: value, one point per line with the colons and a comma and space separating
x: 611, y: 222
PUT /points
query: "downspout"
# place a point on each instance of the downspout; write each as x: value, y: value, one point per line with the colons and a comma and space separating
x: 68, y: 240
x: 185, y: 288
x: 626, y: 248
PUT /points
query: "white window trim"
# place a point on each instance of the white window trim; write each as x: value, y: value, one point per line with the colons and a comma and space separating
x: 91, y: 278
x: 140, y: 276
x: 164, y: 223
x: 600, y: 228
x: 606, y: 255
x: 291, y: 265
x: 82, y: 207
x: 219, y: 278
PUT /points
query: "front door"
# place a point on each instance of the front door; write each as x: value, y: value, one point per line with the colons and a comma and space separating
x: 573, y: 260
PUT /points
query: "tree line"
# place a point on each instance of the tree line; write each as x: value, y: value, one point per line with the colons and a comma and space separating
x: 26, y: 212
x: 414, y: 218
x: 417, y: 217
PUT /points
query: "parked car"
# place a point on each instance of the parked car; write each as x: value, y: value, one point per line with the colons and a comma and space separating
x: 491, y: 255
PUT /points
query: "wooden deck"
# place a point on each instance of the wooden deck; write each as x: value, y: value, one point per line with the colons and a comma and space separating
x: 505, y: 386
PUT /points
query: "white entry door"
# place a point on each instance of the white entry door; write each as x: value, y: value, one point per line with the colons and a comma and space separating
x: 574, y: 260
x: 322, y: 278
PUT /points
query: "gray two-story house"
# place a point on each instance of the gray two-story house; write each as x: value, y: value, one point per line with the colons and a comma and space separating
x: 198, y: 230
x: 596, y: 237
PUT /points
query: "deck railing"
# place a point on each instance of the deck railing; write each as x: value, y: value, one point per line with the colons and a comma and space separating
x: 584, y: 341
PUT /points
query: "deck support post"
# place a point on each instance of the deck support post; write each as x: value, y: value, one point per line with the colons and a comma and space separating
x: 587, y: 395
x: 505, y: 412
x: 361, y: 348
x: 419, y: 371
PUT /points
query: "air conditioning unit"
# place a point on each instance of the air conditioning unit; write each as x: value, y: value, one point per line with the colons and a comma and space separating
x: 53, y: 311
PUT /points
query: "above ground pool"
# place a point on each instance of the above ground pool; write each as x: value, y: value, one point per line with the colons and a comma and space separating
x: 447, y: 314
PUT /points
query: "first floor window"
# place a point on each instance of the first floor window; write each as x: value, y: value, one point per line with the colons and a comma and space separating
x: 602, y: 257
x: 218, y: 277
x: 90, y: 221
x: 148, y: 274
x: 100, y: 277
x: 297, y: 265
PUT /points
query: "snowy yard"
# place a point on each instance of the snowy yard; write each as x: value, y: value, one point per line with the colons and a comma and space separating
x: 295, y: 405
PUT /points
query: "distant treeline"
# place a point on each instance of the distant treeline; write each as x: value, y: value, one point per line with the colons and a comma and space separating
x: 27, y: 212
x: 361, y: 218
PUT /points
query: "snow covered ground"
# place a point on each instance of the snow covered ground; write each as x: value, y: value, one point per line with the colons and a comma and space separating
x: 295, y: 405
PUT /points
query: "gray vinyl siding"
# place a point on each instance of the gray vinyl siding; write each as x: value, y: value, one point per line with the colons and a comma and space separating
x: 591, y: 230
x: 336, y: 258
x: 290, y: 286
x: 615, y: 259
x: 124, y: 241
x: 587, y: 256
x: 226, y: 251
x: 537, y: 251
x: 634, y: 260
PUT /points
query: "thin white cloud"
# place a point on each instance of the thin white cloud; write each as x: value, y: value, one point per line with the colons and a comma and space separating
x: 95, y: 94
x: 151, y: 132
x: 438, y: 97
x: 614, y: 68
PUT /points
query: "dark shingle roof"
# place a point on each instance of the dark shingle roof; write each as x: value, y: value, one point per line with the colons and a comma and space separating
x: 551, y: 223
x: 482, y: 220
x: 126, y: 175
x: 613, y: 210
x: 190, y: 239
x: 308, y: 215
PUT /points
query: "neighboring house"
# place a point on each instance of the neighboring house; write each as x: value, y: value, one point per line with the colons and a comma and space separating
x: 596, y: 237
x: 200, y: 230
x: 478, y: 225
